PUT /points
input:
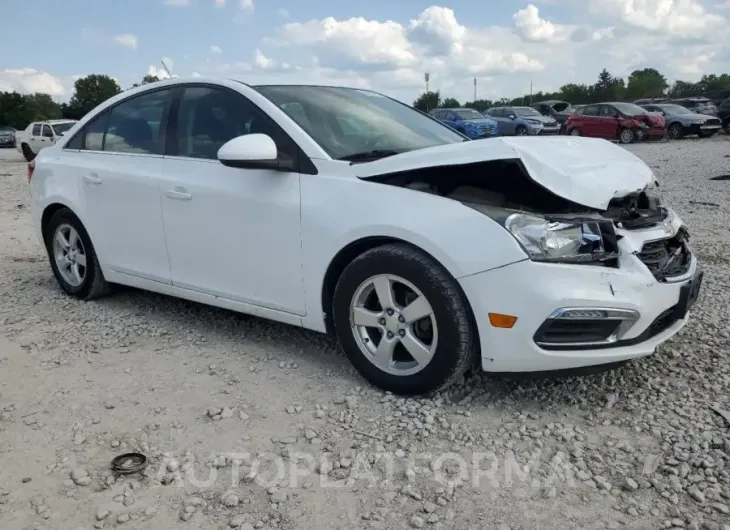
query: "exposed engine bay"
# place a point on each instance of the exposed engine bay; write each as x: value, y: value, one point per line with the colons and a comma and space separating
x: 505, y: 184
x: 502, y: 187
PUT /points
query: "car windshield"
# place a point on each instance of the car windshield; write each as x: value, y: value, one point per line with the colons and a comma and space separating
x: 675, y: 109
x: 526, y: 111
x: 629, y: 109
x: 348, y: 121
x: 60, y: 128
x: 468, y: 114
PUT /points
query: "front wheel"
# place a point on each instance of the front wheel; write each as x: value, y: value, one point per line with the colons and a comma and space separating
x: 403, y: 321
x: 575, y: 132
x: 27, y: 153
x: 675, y: 131
x: 73, y: 258
x: 627, y: 136
x: 521, y: 130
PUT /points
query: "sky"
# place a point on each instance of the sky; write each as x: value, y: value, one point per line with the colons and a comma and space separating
x: 385, y: 45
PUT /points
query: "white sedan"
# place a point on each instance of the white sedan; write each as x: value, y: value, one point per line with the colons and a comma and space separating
x: 344, y: 211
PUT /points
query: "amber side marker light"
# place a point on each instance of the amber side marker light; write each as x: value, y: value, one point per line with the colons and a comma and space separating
x: 498, y: 320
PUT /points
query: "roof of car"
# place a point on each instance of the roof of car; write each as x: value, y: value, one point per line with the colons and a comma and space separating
x: 56, y: 122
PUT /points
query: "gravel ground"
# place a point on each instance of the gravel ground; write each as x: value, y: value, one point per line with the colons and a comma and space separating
x: 251, y: 424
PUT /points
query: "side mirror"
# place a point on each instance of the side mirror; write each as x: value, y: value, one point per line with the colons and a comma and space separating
x: 512, y: 117
x: 251, y: 151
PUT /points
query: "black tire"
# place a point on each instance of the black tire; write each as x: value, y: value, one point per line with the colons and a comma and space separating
x: 27, y: 153
x: 458, y: 344
x: 627, y: 136
x: 93, y: 285
x: 521, y: 130
x: 574, y: 132
x: 675, y: 131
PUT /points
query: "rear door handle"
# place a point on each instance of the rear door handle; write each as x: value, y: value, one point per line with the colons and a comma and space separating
x: 179, y: 194
x: 92, y: 178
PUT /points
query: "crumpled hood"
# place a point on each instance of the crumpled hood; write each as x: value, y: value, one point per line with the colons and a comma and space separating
x: 587, y: 171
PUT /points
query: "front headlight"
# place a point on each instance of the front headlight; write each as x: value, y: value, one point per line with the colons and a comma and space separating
x: 534, y: 122
x: 557, y: 241
x: 698, y: 122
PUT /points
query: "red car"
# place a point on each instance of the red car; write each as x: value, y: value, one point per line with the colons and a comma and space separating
x: 624, y: 122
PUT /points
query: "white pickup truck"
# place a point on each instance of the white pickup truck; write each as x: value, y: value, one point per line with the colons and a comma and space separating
x: 40, y: 134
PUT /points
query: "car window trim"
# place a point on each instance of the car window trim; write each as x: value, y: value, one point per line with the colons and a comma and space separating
x: 107, y: 112
x: 302, y: 163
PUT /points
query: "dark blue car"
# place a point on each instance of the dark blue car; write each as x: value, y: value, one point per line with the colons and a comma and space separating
x: 468, y: 122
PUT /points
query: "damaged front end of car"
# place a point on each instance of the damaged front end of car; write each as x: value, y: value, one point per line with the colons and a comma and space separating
x: 551, y: 228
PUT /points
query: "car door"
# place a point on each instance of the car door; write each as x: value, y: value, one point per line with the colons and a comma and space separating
x: 35, y: 137
x: 607, y: 121
x: 232, y: 233
x: 119, y: 168
x: 505, y: 126
x: 588, y: 118
x: 47, y: 138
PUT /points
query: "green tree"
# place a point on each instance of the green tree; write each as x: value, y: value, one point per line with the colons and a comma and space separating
x: 608, y: 88
x: 646, y: 83
x: 428, y: 101
x: 91, y: 91
x: 480, y: 105
x: 683, y: 89
x: 450, y: 103
x: 149, y: 78
x: 18, y: 110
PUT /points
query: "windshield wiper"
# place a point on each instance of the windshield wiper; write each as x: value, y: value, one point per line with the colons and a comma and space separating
x: 366, y: 156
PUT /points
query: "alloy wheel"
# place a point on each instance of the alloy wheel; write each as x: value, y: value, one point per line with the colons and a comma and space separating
x: 70, y: 255
x: 393, y: 324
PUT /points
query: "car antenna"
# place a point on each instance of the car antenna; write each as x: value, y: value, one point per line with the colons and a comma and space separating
x: 166, y: 68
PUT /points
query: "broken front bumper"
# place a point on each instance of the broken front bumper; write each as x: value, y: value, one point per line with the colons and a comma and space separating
x: 573, y: 316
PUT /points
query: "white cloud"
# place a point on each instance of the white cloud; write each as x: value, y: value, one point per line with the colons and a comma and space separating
x: 215, y: 49
x: 30, y: 80
x: 282, y: 12
x: 177, y: 3
x: 220, y: 3
x: 247, y: 5
x: 264, y: 62
x: 128, y: 40
x: 675, y: 18
x: 532, y: 28
x: 723, y: 5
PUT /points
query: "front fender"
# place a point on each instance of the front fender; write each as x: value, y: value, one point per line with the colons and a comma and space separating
x: 337, y: 211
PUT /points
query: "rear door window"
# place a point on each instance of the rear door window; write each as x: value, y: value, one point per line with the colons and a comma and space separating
x: 36, y: 129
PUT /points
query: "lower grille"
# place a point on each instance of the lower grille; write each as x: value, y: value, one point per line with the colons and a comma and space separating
x: 574, y: 331
x: 661, y: 323
x: 667, y: 258
x: 713, y: 121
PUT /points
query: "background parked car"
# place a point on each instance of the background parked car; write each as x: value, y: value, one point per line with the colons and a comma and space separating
x: 624, y: 122
x: 7, y: 136
x: 681, y: 121
x: 718, y: 96
x: 723, y: 113
x: 522, y: 121
x: 40, y: 134
x: 560, y: 111
x: 650, y: 101
x: 467, y: 121
x: 700, y: 105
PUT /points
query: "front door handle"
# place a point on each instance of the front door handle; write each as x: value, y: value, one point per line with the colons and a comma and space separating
x: 179, y: 194
x: 92, y: 178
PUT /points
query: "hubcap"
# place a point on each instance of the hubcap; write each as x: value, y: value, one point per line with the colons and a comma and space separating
x: 575, y: 132
x: 393, y: 324
x: 674, y: 132
x: 627, y: 135
x: 70, y: 255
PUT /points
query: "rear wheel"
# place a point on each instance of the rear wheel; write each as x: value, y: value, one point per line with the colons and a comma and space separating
x: 675, y: 131
x: 403, y: 321
x: 627, y: 136
x: 73, y: 258
x: 27, y: 153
